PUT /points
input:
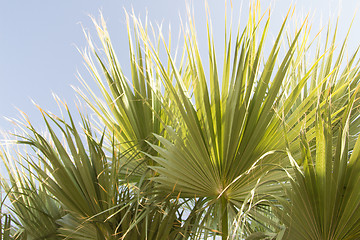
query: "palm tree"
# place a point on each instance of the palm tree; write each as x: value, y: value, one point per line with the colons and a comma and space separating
x: 182, y: 153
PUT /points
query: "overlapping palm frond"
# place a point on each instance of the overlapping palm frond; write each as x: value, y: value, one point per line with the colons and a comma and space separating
x: 229, y: 133
x: 132, y: 110
x: 232, y: 134
x: 5, y: 221
x: 323, y: 201
x: 34, y: 210
x: 96, y: 201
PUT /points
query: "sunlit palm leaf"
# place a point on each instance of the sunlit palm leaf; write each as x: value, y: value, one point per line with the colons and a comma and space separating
x: 132, y: 110
x: 226, y: 147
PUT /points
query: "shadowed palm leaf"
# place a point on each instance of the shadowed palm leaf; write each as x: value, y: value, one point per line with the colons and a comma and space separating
x: 324, y: 198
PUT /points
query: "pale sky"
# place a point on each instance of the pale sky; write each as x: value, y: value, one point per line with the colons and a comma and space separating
x: 38, y: 40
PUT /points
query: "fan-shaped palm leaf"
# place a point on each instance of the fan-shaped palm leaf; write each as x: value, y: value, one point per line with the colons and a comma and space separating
x: 230, y: 134
x: 324, y: 199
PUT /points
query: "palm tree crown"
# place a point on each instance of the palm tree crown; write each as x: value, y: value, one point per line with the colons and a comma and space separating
x: 267, y: 149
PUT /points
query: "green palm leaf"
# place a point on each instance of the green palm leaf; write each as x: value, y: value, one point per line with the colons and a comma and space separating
x: 34, y: 209
x: 323, y: 199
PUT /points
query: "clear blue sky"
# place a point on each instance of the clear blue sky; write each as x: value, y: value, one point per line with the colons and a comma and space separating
x: 38, y: 41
